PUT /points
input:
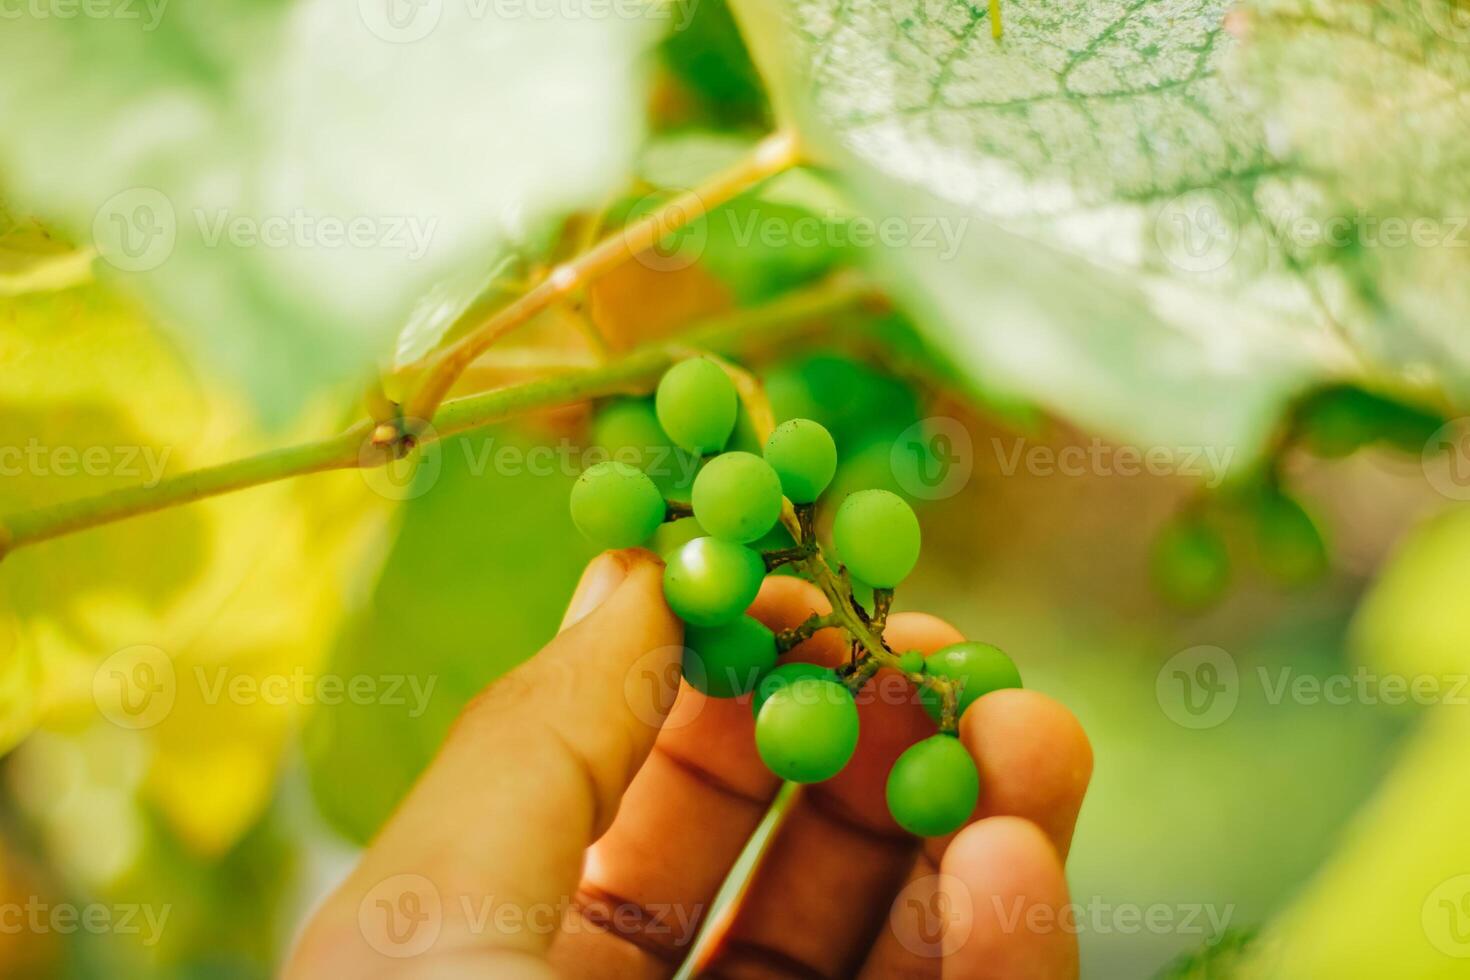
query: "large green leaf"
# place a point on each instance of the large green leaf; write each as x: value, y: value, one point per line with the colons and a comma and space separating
x: 1117, y: 193
x: 284, y: 179
x: 474, y: 585
x: 1374, y: 99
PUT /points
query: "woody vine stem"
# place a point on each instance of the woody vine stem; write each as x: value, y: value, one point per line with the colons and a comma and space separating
x: 393, y: 431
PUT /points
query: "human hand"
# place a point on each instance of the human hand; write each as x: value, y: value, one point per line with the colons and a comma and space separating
x: 574, y: 825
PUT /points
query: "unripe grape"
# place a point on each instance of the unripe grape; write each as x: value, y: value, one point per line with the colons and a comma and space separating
x: 783, y: 675
x: 804, y: 456
x: 1190, y: 565
x: 876, y: 536
x: 807, y: 730
x: 737, y: 497
x: 697, y: 403
x: 727, y: 661
x: 616, y: 505
x: 933, y: 787
x: 629, y: 431
x: 978, y: 669
x: 911, y: 662
x: 709, y: 582
x: 1288, y: 542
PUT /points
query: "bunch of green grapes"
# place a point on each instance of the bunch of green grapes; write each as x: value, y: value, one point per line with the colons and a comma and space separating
x: 1191, y: 561
x: 753, y: 512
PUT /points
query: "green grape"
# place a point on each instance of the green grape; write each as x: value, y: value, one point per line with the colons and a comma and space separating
x: 1289, y: 545
x: 1190, y: 565
x: 709, y: 582
x: 628, y: 430
x: 804, y: 456
x: 727, y: 661
x: 616, y: 505
x: 673, y: 535
x: 737, y: 497
x: 697, y: 404
x: 783, y: 675
x: 876, y: 536
x: 853, y: 400
x: 933, y: 787
x: 807, y: 730
x: 911, y: 662
x: 979, y: 668
x: 744, y: 438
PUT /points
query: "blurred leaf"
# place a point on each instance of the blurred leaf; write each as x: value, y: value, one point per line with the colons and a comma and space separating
x: 1216, y: 960
x: 1394, y: 901
x: 1399, y: 274
x: 33, y: 260
x: 250, y: 585
x: 1137, y: 179
x: 475, y: 583
x: 1395, y: 898
x: 438, y: 311
x: 1415, y: 619
x: 1038, y: 185
x: 283, y: 179
x: 705, y: 54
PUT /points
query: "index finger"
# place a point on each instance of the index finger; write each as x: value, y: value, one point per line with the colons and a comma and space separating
x: 685, y: 818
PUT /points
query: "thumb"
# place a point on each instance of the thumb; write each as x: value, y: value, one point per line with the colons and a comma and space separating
x: 493, y: 834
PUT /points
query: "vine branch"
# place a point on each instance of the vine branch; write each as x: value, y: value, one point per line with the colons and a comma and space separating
x: 771, y: 156
x: 356, y: 448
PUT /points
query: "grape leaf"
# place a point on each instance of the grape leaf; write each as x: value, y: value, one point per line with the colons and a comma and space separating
x: 282, y: 180
x: 475, y: 583
x: 243, y: 588
x: 1384, y: 132
x: 1096, y: 184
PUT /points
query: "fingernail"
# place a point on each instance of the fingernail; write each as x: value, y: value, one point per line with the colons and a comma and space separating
x: 600, y: 580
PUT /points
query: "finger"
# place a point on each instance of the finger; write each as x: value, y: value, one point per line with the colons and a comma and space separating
x: 963, y: 919
x: 684, y: 820
x: 488, y: 844
x: 1006, y: 902
x: 1034, y: 759
x: 838, y: 840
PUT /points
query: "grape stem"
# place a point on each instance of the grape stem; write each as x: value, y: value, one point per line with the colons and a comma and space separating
x: 778, y: 152
x: 865, y: 629
x: 786, y: 639
x: 677, y: 509
x: 780, y: 320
